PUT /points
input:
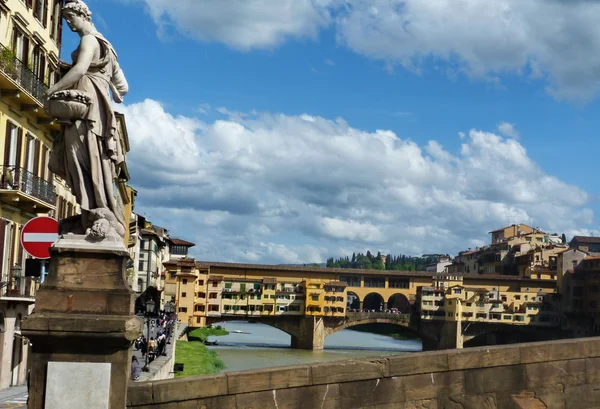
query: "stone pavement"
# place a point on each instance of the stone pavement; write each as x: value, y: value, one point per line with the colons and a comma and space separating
x: 13, y: 397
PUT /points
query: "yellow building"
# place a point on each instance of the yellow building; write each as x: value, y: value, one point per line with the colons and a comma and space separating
x: 315, y: 297
x: 269, y: 296
x: 335, y: 298
x: 30, y: 37
x: 511, y: 231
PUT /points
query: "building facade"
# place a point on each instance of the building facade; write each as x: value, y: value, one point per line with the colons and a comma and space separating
x: 30, y: 40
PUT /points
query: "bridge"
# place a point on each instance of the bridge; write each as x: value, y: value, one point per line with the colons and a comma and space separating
x: 310, y: 332
x: 444, y: 310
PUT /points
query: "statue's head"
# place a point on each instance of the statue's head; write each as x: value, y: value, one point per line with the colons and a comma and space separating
x: 76, y: 13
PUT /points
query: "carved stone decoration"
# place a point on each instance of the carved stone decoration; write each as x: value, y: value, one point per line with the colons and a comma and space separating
x: 87, y: 153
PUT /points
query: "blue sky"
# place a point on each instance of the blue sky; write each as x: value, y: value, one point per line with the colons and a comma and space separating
x: 295, y: 130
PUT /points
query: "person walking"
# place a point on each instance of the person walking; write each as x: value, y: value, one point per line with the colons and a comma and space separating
x: 136, y: 369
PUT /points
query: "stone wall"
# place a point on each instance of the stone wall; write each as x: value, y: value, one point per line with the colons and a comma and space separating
x: 553, y: 375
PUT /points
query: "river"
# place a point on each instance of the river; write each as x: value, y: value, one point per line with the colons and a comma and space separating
x: 262, y: 346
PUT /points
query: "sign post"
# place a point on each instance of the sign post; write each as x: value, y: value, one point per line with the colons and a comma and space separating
x: 38, y: 235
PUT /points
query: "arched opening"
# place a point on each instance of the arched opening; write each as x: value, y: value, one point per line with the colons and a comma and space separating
x: 373, y: 302
x: 399, y: 302
x: 353, y: 301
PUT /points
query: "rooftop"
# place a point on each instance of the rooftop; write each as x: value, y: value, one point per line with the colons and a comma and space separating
x: 586, y: 239
x: 179, y: 242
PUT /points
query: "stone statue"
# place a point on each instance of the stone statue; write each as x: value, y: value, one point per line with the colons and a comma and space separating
x: 87, y: 153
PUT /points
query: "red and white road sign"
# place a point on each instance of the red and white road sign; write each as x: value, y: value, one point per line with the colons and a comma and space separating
x: 38, y: 235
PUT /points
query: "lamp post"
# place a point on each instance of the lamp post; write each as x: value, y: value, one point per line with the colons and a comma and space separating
x: 150, y: 304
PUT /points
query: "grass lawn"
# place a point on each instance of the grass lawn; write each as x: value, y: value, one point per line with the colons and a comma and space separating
x: 197, y: 359
x: 202, y: 334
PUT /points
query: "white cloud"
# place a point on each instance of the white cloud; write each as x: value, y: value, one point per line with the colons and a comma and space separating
x: 508, y: 129
x: 243, y: 24
x: 557, y: 41
x: 279, y: 188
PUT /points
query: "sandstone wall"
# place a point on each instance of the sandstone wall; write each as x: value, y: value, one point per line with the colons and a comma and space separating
x: 553, y: 375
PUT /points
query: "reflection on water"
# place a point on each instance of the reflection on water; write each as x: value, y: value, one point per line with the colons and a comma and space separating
x: 262, y: 346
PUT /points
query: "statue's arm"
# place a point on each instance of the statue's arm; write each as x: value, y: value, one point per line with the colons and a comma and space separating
x: 87, y: 48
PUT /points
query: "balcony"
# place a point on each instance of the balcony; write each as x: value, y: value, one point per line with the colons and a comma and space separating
x: 18, y: 72
x: 23, y: 87
x: 25, y: 190
x: 19, y: 289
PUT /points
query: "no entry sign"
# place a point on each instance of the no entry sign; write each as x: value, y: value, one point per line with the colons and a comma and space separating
x: 38, y: 235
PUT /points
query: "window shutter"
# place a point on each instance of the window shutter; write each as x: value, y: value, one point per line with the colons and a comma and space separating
x: 29, y: 3
x: 20, y: 257
x: 36, y: 158
x: 44, y: 167
x: 45, y: 18
x: 19, y: 147
x: 3, y: 224
x: 27, y: 153
x: 7, y: 142
x: 13, y: 243
x: 59, y: 30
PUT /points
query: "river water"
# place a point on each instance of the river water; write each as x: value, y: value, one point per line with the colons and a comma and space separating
x: 262, y: 346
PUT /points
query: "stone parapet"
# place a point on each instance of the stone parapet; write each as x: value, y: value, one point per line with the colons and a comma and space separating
x: 555, y: 374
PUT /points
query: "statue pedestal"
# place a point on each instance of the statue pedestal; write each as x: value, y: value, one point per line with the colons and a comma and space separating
x: 82, y: 328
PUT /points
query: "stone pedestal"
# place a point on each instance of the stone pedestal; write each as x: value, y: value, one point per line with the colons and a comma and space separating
x: 84, y: 313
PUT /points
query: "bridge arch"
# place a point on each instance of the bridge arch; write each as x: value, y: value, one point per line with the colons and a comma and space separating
x: 399, y: 301
x: 353, y: 301
x: 374, y: 301
x: 401, y: 320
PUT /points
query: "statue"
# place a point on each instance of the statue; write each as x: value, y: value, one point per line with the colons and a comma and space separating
x: 87, y: 152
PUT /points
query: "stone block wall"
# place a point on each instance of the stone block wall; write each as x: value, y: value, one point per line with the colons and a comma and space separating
x: 552, y: 375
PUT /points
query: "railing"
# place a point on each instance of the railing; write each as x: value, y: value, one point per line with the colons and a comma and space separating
x: 20, y: 287
x: 14, y: 178
x: 18, y: 71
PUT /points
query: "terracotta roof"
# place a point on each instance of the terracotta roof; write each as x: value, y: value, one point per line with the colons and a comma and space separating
x: 215, y: 278
x: 507, y: 227
x: 586, y: 239
x: 179, y: 242
x: 594, y: 257
x: 388, y: 273
x: 182, y: 262
x: 269, y: 280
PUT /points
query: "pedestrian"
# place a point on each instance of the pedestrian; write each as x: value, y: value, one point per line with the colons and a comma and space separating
x: 136, y: 369
x: 144, y: 346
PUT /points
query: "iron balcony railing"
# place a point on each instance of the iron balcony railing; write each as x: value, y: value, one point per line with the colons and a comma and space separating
x: 18, y: 71
x: 14, y: 178
x: 20, y: 287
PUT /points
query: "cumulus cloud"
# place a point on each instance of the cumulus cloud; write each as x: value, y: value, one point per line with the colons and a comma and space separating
x: 508, y: 129
x: 556, y: 41
x: 243, y: 24
x: 266, y: 187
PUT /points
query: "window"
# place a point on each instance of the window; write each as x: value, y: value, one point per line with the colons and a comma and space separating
x: 172, y: 275
x: 214, y: 284
x: 20, y: 45
x: 228, y: 285
x: 315, y: 298
x: 183, y: 295
x: 212, y: 296
x: 182, y: 309
x: 213, y: 308
x: 184, y: 281
x: 11, y: 147
x: 200, y: 282
x: 198, y: 320
x: 141, y: 265
x: 179, y: 250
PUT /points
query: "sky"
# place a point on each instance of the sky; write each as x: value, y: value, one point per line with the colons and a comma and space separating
x: 290, y: 131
